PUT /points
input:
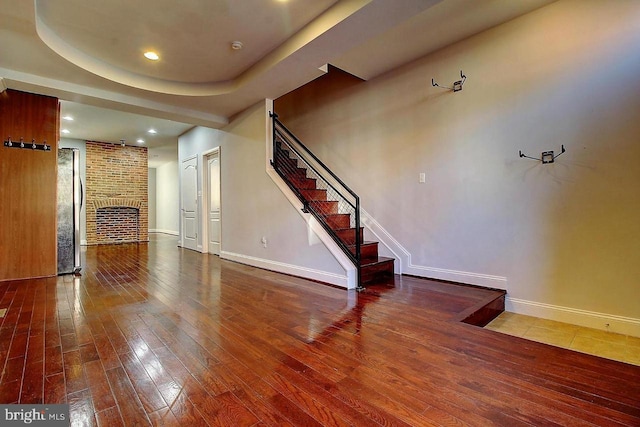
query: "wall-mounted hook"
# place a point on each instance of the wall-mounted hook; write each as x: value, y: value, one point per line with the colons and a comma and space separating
x: 545, y: 157
x: 457, y: 85
x: 33, y: 145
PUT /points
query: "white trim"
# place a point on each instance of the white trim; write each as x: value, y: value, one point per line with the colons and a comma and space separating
x: 159, y: 230
x: 404, y: 265
x: 574, y: 316
x: 469, y: 278
x: 294, y: 270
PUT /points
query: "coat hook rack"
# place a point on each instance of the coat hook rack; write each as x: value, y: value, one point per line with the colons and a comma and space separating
x: 546, y: 157
x: 28, y: 145
x: 457, y: 86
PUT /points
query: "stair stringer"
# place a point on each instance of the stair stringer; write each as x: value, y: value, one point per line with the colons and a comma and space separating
x: 349, y: 280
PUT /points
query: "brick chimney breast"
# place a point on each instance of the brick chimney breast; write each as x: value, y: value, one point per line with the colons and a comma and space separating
x: 116, y: 191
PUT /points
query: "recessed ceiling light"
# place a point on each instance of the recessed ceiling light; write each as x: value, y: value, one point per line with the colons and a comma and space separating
x: 152, y: 131
x: 140, y: 141
x: 237, y: 45
x: 151, y: 55
x: 68, y: 118
x: 65, y: 131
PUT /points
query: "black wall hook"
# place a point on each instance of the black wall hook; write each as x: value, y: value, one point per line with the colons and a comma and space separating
x: 457, y: 86
x: 546, y: 157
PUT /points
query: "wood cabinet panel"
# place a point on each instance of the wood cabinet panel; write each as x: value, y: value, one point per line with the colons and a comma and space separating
x: 28, y: 186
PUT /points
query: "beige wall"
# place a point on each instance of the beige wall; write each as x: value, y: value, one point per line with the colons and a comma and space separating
x: 565, y: 237
x: 152, y: 199
x: 167, y: 200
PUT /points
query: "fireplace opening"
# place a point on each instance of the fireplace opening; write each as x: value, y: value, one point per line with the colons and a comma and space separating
x: 117, y: 224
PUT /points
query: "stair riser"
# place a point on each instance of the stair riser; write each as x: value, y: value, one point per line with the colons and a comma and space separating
x: 325, y: 208
x: 338, y: 221
x: 314, y: 195
x: 377, y: 272
x: 368, y: 251
x: 303, y: 183
x: 286, y: 162
x: 297, y: 173
x: 348, y: 236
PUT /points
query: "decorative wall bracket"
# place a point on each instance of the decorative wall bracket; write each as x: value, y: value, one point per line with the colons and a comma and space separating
x: 457, y: 85
x: 545, y: 157
x: 28, y: 145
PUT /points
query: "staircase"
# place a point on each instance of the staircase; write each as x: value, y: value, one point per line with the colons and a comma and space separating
x: 333, y: 204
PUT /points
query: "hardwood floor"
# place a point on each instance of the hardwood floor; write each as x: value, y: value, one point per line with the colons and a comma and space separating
x: 153, y: 334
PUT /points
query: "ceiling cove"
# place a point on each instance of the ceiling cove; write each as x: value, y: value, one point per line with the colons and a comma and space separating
x: 46, y: 14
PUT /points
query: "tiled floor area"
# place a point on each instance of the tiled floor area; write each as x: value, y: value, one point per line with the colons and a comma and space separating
x: 609, y: 345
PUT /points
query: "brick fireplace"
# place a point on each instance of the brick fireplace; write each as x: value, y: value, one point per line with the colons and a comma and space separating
x: 116, y: 194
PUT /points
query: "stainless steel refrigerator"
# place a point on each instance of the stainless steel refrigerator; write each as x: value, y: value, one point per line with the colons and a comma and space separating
x: 69, y: 205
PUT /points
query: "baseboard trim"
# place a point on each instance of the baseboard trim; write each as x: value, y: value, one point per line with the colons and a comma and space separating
x: 293, y: 270
x: 478, y: 279
x: 159, y: 230
x: 590, y: 319
x: 404, y: 264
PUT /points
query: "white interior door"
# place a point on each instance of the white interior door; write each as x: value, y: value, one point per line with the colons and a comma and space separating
x: 213, y: 165
x: 189, y: 203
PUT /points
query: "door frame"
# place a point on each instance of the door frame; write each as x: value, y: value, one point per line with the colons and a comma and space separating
x: 204, y: 209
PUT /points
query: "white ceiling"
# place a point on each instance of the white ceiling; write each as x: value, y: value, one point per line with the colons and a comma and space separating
x: 89, y: 54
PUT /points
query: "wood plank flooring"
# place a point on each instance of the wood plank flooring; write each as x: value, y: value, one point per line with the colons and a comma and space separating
x: 156, y: 335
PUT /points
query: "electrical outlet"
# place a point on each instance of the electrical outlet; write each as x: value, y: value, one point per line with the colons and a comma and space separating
x: 264, y: 241
x: 422, y: 178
